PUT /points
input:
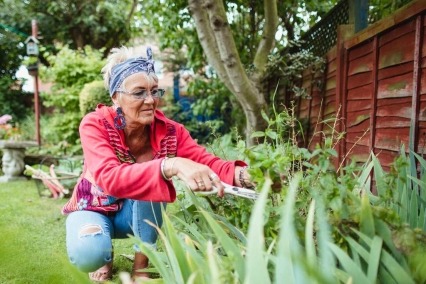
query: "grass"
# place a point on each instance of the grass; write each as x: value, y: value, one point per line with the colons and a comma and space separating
x: 32, y: 244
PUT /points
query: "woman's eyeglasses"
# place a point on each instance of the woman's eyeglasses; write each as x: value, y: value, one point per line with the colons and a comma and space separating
x: 143, y: 94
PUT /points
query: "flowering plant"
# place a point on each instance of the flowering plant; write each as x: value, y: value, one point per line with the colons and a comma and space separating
x: 7, y: 130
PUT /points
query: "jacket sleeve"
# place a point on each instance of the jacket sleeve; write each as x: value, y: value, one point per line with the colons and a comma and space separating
x: 139, y: 181
x: 189, y: 148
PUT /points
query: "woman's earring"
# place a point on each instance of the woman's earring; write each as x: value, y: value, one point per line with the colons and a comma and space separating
x: 119, y: 121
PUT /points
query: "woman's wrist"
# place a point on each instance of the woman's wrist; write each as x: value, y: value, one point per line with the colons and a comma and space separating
x: 242, y: 177
x: 169, y: 168
x: 163, y: 168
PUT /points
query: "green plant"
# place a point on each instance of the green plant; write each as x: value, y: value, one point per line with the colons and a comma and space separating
x: 91, y: 95
x: 311, y: 224
x: 70, y: 70
x: 207, y: 111
x: 360, y: 248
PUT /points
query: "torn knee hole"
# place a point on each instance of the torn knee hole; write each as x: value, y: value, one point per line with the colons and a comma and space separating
x: 90, y: 230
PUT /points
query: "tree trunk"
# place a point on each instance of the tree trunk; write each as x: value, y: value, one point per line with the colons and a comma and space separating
x: 219, y: 46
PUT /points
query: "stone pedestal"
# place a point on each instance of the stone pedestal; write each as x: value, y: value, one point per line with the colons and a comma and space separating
x: 13, y: 158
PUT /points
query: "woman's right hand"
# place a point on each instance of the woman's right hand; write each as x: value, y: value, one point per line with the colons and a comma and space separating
x: 197, y: 176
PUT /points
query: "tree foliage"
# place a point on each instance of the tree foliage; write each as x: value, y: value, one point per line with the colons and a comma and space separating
x: 234, y: 37
x: 99, y: 24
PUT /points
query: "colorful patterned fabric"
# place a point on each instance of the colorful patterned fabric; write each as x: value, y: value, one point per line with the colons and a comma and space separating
x: 129, y: 67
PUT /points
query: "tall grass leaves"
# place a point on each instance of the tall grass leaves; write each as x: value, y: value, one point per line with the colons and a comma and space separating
x: 168, y: 266
x: 288, y: 265
x: 355, y: 272
x: 256, y: 265
x: 362, y: 247
x: 229, y: 245
x: 213, y: 264
x: 364, y: 179
x: 327, y: 261
x: 177, y: 259
x: 390, y: 263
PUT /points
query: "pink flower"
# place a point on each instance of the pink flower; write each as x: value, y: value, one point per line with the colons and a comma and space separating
x: 5, y: 118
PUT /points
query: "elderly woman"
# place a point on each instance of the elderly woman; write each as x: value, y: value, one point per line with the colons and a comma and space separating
x: 131, y: 152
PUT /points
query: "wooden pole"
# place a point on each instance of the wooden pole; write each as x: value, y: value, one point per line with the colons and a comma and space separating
x: 36, y: 95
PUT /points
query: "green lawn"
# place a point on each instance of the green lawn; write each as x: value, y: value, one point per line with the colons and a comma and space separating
x: 32, y: 239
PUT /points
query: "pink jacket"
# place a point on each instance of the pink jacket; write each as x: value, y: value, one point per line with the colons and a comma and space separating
x: 110, y: 173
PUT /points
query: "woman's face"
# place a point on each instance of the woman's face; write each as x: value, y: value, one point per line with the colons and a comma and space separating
x: 137, y: 109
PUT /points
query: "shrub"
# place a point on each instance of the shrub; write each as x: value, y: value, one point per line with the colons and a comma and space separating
x: 70, y: 70
x: 92, y: 94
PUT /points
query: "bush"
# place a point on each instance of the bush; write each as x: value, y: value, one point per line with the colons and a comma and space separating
x: 92, y: 94
x: 69, y: 71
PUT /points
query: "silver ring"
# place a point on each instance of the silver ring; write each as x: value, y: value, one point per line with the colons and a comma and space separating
x: 213, y: 176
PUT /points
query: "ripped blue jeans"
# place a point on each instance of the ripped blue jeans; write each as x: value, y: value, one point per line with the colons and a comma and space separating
x: 90, y: 234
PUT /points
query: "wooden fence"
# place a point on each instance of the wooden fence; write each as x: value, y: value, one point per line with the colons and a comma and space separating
x: 375, y: 84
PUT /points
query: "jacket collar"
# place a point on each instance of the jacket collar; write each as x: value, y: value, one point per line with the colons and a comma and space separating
x: 158, y: 127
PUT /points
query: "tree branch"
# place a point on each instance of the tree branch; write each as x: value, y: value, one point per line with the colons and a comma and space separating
x: 243, y: 88
x: 268, y: 38
x: 132, y: 10
x: 207, y: 40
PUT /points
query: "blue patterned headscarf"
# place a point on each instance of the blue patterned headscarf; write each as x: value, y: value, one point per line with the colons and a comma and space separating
x: 129, y: 67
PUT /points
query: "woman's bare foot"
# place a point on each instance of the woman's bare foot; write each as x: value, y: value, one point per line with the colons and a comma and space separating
x: 102, y: 274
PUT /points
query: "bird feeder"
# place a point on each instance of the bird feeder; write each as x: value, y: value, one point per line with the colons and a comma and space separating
x: 32, y: 46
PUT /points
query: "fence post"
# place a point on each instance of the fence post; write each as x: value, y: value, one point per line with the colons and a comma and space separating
x: 358, y: 14
x: 343, y: 32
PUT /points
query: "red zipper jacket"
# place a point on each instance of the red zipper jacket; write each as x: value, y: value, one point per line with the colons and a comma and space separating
x: 110, y: 172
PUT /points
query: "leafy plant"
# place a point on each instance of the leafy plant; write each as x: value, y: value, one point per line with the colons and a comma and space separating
x: 69, y: 71
x: 311, y: 224
x: 93, y: 93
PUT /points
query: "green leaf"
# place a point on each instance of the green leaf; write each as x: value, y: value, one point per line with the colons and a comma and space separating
x: 256, y: 264
x: 200, y: 238
x: 379, y: 177
x: 173, y: 259
x: 257, y: 134
x: 403, y: 211
x: 156, y: 260
x: 414, y: 209
x: 363, y: 179
x: 178, y: 250
x: 212, y: 260
x: 265, y: 116
x: 196, y: 263
x: 309, y: 236
x: 374, y: 259
x: 326, y: 257
x: 235, y: 231
x: 394, y: 268
x: 383, y: 231
x: 287, y: 271
x: 349, y: 266
x: 230, y: 246
x: 366, y: 216
x: 271, y: 134
x: 343, y: 276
